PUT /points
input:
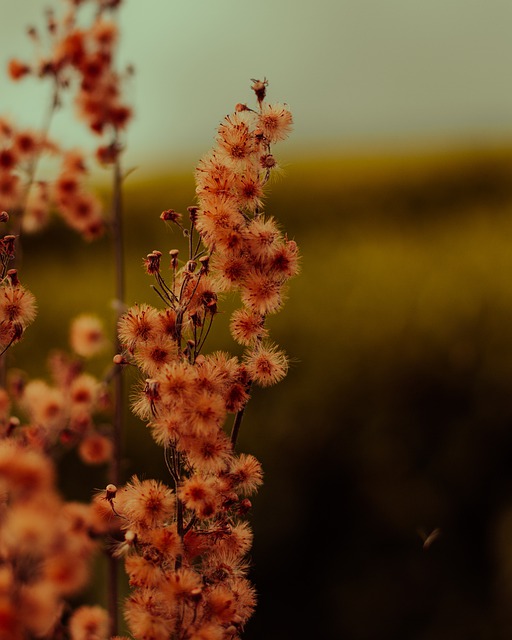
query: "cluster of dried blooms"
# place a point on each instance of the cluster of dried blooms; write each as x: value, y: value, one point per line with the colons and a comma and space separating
x: 83, y: 56
x: 70, y: 55
x: 17, y: 304
x: 47, y: 548
x: 65, y: 412
x: 31, y: 201
x: 185, y: 546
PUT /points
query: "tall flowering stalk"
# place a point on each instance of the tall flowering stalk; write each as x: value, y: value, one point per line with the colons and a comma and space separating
x: 80, y: 57
x: 185, y: 545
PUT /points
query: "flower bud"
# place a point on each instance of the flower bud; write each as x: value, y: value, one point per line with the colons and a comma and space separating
x: 111, y: 491
x: 268, y: 161
x: 169, y: 215
x: 8, y: 245
x: 192, y: 211
x: 13, y: 277
x: 174, y: 258
x: 260, y: 89
x: 152, y: 262
x: 205, y: 261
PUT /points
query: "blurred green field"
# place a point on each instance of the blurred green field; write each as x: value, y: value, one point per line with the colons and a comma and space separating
x: 397, y: 412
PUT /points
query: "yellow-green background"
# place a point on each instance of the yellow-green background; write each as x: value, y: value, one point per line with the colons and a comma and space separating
x: 397, y: 185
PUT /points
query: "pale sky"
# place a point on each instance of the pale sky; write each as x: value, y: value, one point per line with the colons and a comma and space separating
x: 370, y: 72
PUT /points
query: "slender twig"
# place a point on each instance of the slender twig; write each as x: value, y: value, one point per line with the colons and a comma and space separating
x: 166, y: 289
x: 115, y: 467
x: 117, y: 229
x: 204, y: 338
x: 236, y: 426
x: 32, y: 169
x: 160, y: 294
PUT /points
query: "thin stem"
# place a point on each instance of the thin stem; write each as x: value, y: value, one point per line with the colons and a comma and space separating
x: 115, y: 467
x: 32, y: 168
x: 117, y: 228
x: 191, y: 241
x: 236, y: 426
x: 238, y: 421
x: 165, y: 288
x: 202, y: 339
x: 160, y: 294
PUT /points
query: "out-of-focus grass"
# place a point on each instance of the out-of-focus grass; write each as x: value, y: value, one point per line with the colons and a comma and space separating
x: 397, y: 412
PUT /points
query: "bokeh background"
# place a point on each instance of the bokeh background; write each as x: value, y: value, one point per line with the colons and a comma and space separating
x: 396, y: 417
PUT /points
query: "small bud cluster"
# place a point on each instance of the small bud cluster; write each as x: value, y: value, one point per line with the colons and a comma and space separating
x: 185, y: 547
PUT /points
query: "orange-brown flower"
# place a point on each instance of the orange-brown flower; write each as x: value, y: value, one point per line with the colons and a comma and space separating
x: 46, y: 405
x: 263, y: 235
x: 236, y: 140
x: 17, y: 69
x: 87, y: 335
x: 27, y: 143
x: 166, y: 540
x: 150, y: 614
x: 276, y: 121
x: 262, y: 292
x: 154, y: 353
x: 267, y: 365
x: 95, y: 449
x: 104, y: 33
x: 10, y: 189
x: 24, y: 472
x: 176, y: 382
x: 209, y: 453
x: 285, y: 261
x: 17, y: 304
x: 205, y: 412
x: 247, y: 326
x: 89, y: 623
x: 201, y: 495
x: 138, y: 325
x: 143, y: 572
x: 147, y: 503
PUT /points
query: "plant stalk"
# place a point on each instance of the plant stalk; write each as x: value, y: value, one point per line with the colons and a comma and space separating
x: 115, y: 466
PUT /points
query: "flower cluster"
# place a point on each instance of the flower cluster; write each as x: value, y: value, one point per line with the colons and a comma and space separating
x: 17, y: 304
x: 46, y: 545
x: 31, y: 201
x: 185, y: 547
x: 83, y: 56
x: 79, y: 57
x: 63, y: 413
x: 18, y: 150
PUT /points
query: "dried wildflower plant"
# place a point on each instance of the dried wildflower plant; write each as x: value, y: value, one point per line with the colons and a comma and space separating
x: 75, y: 53
x: 73, y: 57
x: 185, y: 546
